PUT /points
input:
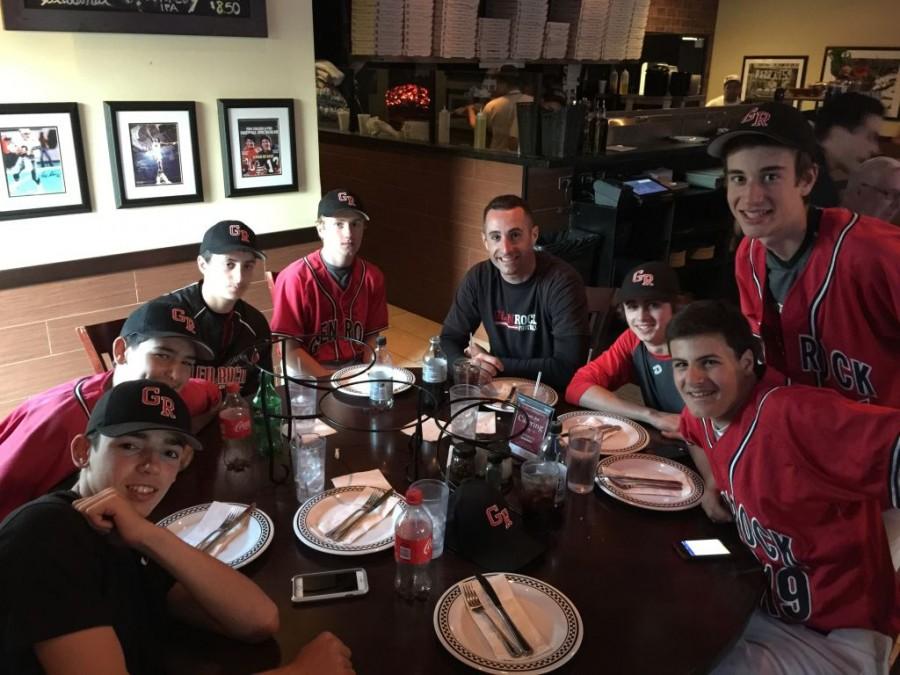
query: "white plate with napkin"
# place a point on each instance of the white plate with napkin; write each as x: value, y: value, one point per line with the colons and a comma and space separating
x: 374, y: 532
x: 546, y: 617
x: 239, y: 547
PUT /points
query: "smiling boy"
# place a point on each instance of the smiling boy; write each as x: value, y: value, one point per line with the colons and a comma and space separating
x: 821, y: 287
x: 806, y: 474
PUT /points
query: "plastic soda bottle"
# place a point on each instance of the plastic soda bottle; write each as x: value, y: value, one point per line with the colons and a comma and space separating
x: 236, y: 426
x: 412, y: 549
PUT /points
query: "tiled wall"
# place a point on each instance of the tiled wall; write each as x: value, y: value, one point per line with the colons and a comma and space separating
x: 38, y: 345
x: 687, y: 17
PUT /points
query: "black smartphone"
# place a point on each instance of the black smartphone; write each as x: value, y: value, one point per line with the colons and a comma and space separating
x: 701, y: 549
x: 328, y: 585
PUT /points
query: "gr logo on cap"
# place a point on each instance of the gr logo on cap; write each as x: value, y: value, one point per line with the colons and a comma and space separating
x: 340, y: 200
x: 162, y: 318
x: 142, y: 405
x: 230, y: 235
x: 650, y: 281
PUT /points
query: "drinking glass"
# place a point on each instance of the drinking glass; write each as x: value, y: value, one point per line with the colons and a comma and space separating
x: 581, y: 458
x: 467, y: 371
x: 464, y: 423
x: 343, y: 118
x: 435, y: 496
x: 363, y: 121
x: 539, y: 480
x: 308, y: 456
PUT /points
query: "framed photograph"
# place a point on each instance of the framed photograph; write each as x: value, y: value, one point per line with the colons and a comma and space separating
x: 873, y: 68
x: 153, y: 151
x: 762, y: 75
x: 258, y: 146
x: 245, y: 18
x: 43, y: 160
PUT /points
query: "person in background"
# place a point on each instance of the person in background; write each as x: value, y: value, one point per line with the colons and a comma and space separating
x: 874, y: 189
x: 846, y: 128
x: 331, y: 294
x: 821, y: 287
x: 811, y: 516
x: 502, y: 117
x: 731, y: 92
x: 158, y: 341
x: 232, y: 328
x: 89, y: 582
x: 532, y: 304
x: 639, y: 356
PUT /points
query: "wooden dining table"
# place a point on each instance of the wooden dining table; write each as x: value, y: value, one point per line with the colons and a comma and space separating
x: 644, y: 608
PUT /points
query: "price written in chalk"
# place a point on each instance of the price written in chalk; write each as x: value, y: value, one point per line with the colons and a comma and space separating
x: 226, y: 7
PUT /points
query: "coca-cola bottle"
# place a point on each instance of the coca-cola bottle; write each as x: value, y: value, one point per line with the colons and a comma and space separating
x: 236, y: 425
x: 412, y: 548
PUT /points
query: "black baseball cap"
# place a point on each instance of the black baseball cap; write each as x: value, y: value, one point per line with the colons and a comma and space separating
x: 230, y: 235
x: 160, y: 318
x: 141, y: 405
x: 779, y: 122
x: 339, y: 200
x: 650, y: 281
x: 483, y: 529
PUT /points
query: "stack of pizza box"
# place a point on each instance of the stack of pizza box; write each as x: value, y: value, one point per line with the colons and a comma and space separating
x: 389, y: 28
x: 455, y: 24
x: 493, y: 39
x: 556, y: 40
x: 418, y: 19
x: 362, y: 26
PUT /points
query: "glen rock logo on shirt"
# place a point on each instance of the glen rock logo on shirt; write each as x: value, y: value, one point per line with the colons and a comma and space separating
x: 517, y: 322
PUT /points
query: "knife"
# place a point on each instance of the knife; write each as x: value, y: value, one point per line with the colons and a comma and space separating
x: 244, y: 515
x: 492, y: 594
x: 343, y: 532
x: 645, y: 482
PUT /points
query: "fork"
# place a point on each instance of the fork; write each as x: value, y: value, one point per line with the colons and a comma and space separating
x: 474, y: 603
x: 371, y: 500
x: 232, y: 516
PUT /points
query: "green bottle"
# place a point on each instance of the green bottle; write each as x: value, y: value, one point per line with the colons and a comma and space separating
x: 267, y: 435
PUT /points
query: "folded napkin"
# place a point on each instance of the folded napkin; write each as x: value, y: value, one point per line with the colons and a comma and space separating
x: 215, y: 515
x: 486, y: 424
x: 505, y: 593
x: 373, y: 478
x: 336, y: 514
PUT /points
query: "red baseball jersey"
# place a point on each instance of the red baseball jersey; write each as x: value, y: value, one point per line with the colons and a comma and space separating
x: 310, y: 302
x: 839, y: 326
x: 806, y: 474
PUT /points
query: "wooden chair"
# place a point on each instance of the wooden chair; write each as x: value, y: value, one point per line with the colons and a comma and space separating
x: 270, y: 282
x: 600, y: 308
x: 97, y: 340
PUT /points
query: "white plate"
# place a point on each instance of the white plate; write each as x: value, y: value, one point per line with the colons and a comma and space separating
x: 246, y: 546
x: 553, y: 614
x: 689, y: 139
x: 501, y: 386
x: 651, y: 466
x: 631, y: 438
x: 379, y: 538
x: 354, y: 382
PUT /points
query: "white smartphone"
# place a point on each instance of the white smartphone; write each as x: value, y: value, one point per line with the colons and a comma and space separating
x: 327, y: 585
x: 702, y: 549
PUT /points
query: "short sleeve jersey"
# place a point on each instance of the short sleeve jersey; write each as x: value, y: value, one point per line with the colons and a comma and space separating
x: 239, y: 339
x: 310, y: 304
x: 60, y: 576
x: 629, y: 361
x: 806, y: 474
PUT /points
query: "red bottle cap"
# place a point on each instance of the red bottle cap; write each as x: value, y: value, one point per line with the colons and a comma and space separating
x: 414, y: 496
x: 232, y: 387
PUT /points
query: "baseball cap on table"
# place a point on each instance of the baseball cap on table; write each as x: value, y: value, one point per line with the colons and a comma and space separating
x: 230, y: 235
x: 731, y: 78
x: 141, y: 405
x: 335, y: 201
x: 650, y: 281
x: 779, y: 122
x: 160, y: 318
x: 484, y: 530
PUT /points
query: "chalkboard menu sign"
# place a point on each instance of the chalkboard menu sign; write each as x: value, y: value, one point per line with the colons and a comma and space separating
x: 185, y: 17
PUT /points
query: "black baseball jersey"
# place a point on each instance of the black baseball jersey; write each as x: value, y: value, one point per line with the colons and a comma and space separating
x: 232, y: 337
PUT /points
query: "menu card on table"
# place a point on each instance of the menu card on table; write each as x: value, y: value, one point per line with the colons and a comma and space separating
x: 534, y: 417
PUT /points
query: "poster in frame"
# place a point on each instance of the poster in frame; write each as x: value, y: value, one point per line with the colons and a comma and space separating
x: 44, y: 171
x: 153, y: 152
x: 762, y: 75
x: 243, y: 18
x: 259, y: 148
x: 873, y: 69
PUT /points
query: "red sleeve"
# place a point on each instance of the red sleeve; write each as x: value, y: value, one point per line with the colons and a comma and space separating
x: 377, y: 313
x: 691, y: 429
x: 750, y: 293
x: 287, y: 313
x: 200, y: 396
x: 611, y: 370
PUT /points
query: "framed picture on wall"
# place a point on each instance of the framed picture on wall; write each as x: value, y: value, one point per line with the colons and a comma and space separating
x: 872, y: 70
x: 762, y: 75
x: 43, y: 160
x: 153, y: 152
x: 259, y: 149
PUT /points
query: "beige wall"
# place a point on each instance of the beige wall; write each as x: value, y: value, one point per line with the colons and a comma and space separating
x: 90, y: 68
x: 798, y: 28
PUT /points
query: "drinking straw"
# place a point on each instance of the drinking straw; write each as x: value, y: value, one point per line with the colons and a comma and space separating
x: 537, y: 383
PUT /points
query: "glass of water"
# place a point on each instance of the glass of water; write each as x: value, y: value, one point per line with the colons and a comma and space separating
x: 464, y: 412
x: 308, y: 457
x: 435, y: 496
x: 581, y: 458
